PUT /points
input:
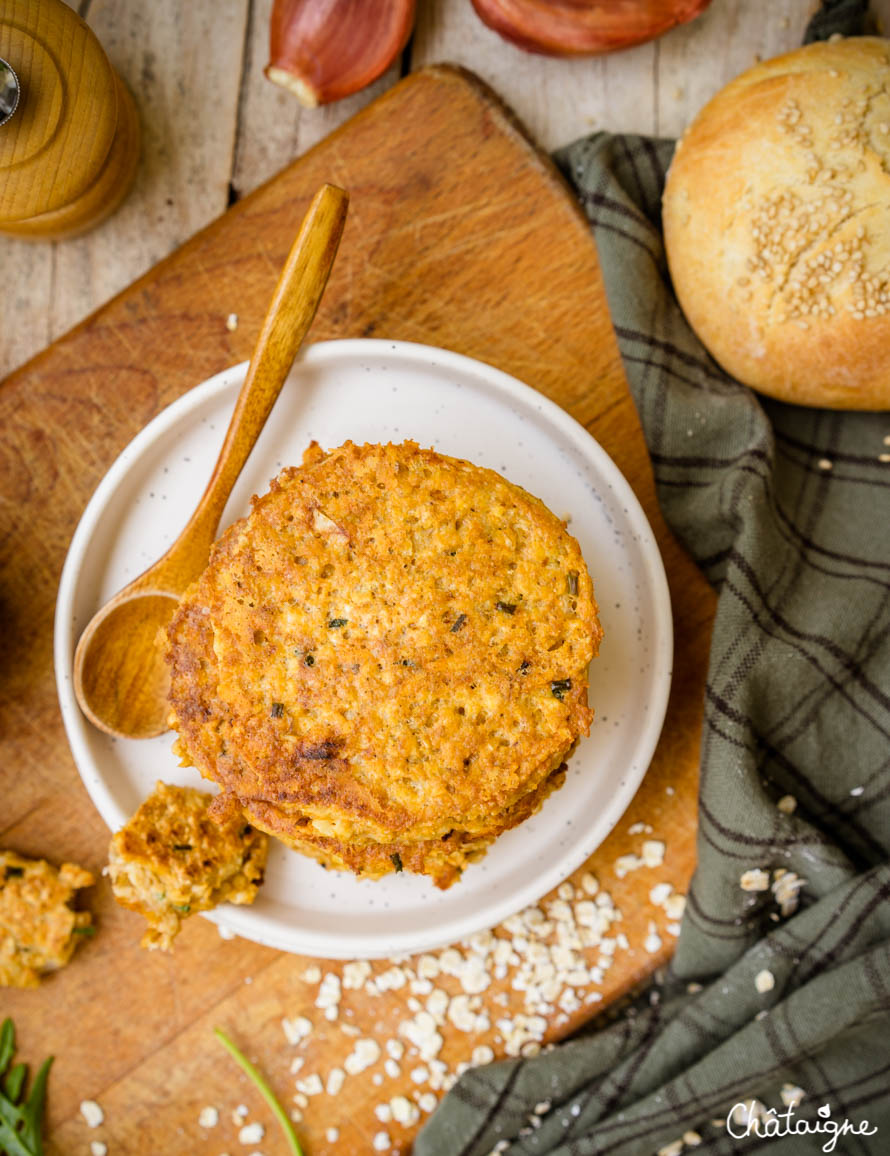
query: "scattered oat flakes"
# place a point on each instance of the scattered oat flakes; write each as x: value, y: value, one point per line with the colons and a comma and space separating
x: 381, y: 1141
x: 92, y: 1113
x: 825, y: 464
x: 335, y: 1081
x: 673, y: 1149
x: 403, y: 1111
x: 857, y: 791
x: 332, y: 1135
x: 209, y: 1117
x: 754, y: 880
x: 296, y: 1029
x: 764, y: 981
x: 251, y: 1133
x: 675, y: 906
x: 624, y: 864
x: 225, y: 932
x: 791, y: 1095
x: 97, y: 1148
x: 653, y: 852
x: 365, y: 1053
x: 312, y: 974
x: 232, y: 322
x: 652, y: 942
x: 786, y: 889
x: 787, y: 804
x: 691, y: 1139
x: 311, y: 1086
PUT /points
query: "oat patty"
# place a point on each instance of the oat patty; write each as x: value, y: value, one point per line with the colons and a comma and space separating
x: 38, y: 928
x: 391, y: 649
x: 171, y: 859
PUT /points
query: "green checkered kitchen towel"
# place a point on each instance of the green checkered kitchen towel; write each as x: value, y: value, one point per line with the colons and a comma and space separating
x: 787, y: 511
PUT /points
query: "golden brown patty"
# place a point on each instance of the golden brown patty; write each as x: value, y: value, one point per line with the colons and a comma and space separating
x: 38, y: 929
x: 443, y: 858
x: 171, y: 860
x: 392, y: 646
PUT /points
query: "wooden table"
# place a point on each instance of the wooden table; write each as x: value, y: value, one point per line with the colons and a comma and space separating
x: 215, y: 128
x: 223, y: 126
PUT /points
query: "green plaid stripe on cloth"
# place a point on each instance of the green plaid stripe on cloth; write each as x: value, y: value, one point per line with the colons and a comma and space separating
x: 787, y: 511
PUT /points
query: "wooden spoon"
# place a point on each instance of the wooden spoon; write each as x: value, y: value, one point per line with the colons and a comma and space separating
x: 120, y: 676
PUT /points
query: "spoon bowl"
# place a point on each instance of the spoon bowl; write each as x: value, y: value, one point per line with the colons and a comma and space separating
x: 120, y: 675
x: 130, y: 682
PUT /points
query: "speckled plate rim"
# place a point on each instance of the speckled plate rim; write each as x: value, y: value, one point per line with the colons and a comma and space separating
x: 247, y: 921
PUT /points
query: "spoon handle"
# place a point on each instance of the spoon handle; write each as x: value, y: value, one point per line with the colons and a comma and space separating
x: 294, y: 304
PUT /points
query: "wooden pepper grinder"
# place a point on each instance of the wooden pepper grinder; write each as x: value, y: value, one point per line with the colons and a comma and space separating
x: 69, y: 129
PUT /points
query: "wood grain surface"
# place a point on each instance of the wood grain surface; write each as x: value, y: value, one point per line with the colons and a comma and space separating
x: 459, y: 235
x: 215, y: 128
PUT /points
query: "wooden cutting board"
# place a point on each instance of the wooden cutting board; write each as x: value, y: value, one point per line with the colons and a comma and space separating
x: 460, y: 235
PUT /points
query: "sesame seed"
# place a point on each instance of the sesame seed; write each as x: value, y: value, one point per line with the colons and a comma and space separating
x: 764, y: 981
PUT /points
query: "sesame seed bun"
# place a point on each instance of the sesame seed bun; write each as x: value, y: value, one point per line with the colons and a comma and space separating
x: 777, y: 225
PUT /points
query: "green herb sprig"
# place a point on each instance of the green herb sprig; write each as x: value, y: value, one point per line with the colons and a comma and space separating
x: 262, y: 1085
x: 21, y: 1120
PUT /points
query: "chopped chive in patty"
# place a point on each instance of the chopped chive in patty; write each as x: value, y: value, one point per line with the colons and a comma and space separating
x: 458, y: 623
x: 277, y: 709
x: 336, y: 623
x: 506, y: 607
x: 559, y: 687
x: 397, y: 861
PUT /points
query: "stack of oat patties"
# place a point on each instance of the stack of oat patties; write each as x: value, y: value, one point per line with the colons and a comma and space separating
x: 385, y: 664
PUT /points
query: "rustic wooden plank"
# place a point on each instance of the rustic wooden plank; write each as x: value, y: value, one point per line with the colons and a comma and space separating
x: 273, y: 127
x: 526, y: 296
x: 697, y: 60
x: 557, y: 100
x: 183, y: 64
x: 653, y: 88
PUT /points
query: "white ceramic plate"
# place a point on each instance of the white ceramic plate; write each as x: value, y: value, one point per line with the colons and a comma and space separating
x: 378, y: 391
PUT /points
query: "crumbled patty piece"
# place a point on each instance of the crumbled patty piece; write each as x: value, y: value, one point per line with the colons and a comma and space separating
x: 38, y: 929
x: 385, y: 664
x: 171, y: 859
